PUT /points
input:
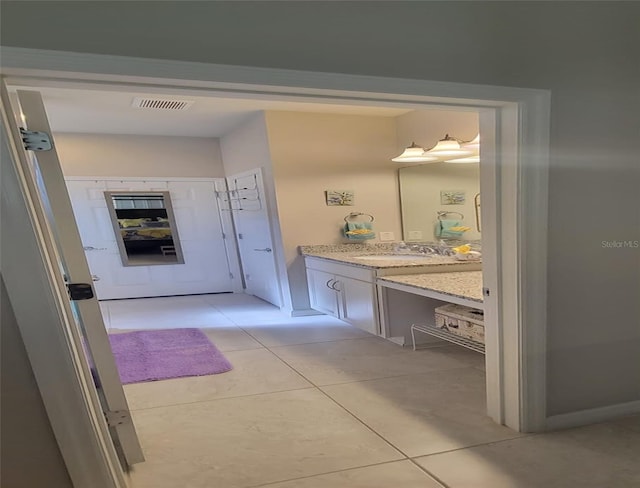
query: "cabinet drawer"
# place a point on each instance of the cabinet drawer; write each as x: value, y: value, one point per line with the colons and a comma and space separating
x: 354, y: 272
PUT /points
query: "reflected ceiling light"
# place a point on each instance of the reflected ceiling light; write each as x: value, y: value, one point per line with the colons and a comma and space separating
x: 448, y: 147
x: 414, y: 154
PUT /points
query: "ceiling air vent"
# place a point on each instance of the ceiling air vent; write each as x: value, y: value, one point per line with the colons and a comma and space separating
x: 161, y: 103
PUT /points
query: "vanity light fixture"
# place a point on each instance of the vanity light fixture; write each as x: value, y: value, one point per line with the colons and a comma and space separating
x: 473, y: 143
x: 448, y: 146
x: 474, y: 147
x: 414, y: 154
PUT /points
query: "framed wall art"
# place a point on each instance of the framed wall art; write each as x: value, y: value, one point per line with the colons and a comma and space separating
x: 339, y: 197
x: 452, y: 197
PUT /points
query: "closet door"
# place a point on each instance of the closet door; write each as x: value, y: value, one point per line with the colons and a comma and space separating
x: 199, y: 228
x: 254, y: 233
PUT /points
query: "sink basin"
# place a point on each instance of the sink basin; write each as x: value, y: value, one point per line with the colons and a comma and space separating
x: 394, y: 257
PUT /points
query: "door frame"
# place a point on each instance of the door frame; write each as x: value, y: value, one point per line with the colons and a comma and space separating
x: 515, y: 126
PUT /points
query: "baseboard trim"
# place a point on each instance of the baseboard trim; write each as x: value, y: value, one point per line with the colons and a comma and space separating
x: 592, y: 416
x: 305, y: 313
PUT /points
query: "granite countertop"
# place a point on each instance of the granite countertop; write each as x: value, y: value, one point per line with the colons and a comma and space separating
x: 461, y: 284
x: 350, y: 254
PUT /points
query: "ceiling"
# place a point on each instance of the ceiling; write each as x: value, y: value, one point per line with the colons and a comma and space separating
x: 111, y: 112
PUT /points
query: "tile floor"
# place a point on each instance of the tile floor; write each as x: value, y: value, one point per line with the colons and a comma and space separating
x: 314, y: 403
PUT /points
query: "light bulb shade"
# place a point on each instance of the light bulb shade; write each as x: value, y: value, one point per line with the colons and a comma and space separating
x: 413, y: 154
x: 448, y: 147
x: 473, y: 144
x: 468, y: 159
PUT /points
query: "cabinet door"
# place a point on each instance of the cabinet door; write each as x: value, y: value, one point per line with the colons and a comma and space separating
x: 323, y: 298
x: 357, y: 303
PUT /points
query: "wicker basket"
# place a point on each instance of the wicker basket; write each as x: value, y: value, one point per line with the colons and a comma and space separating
x: 460, y: 320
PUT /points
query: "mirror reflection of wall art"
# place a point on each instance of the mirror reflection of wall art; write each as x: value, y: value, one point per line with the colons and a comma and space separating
x: 340, y: 197
x: 145, y: 227
x: 452, y: 197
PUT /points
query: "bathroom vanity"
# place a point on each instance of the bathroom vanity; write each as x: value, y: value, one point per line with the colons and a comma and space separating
x: 384, y: 293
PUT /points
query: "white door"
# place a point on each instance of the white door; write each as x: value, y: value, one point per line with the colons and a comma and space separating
x: 253, y: 230
x: 49, y: 191
x: 206, y: 267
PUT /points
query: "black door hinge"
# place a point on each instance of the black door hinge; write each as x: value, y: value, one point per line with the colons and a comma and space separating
x: 80, y: 291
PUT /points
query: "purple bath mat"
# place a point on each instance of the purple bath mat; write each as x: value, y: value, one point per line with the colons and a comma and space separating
x: 152, y: 355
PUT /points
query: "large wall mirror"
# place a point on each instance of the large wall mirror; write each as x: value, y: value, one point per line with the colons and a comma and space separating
x: 145, y: 228
x: 428, y: 189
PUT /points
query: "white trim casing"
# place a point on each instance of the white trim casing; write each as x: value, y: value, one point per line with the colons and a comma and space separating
x: 533, y: 208
x: 520, y: 127
x: 158, y: 75
x: 491, y: 261
x: 592, y: 415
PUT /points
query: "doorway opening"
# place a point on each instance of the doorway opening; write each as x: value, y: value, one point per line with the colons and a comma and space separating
x: 488, y: 120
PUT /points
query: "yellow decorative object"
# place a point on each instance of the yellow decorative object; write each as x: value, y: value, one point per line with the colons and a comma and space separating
x: 460, y: 228
x: 358, y: 231
x: 131, y: 222
x: 464, y: 249
x: 155, y: 233
x: 151, y: 232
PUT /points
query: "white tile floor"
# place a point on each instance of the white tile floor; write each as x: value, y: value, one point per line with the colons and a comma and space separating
x: 314, y: 403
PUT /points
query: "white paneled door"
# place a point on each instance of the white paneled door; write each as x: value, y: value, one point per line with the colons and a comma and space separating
x: 206, y: 267
x: 86, y: 332
x: 253, y: 229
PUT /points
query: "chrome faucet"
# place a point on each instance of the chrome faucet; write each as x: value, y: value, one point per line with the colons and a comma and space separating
x: 428, y: 250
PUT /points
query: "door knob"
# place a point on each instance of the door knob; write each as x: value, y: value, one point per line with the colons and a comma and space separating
x: 95, y: 278
x: 266, y: 249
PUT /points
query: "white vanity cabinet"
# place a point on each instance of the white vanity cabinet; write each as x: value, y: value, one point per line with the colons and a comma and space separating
x: 322, y: 293
x: 345, y: 292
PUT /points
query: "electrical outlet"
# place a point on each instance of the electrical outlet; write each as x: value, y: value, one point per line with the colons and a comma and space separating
x: 415, y: 235
x: 386, y: 236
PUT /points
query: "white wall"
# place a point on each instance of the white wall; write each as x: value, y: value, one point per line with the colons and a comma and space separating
x: 247, y: 148
x: 582, y: 52
x: 314, y: 152
x: 420, y: 185
x: 138, y: 156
